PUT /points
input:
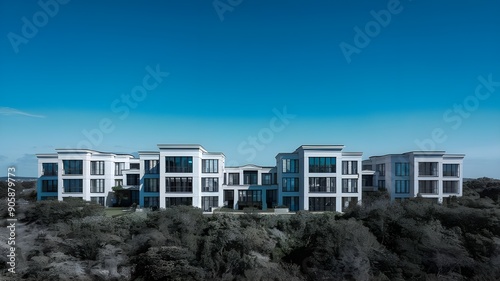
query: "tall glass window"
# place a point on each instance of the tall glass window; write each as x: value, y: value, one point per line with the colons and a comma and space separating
x: 208, y: 202
x: 349, y: 167
x: 349, y: 185
x: 49, y: 185
x: 210, y: 166
x: 151, y: 166
x: 267, y: 178
x: 176, y: 201
x: 290, y: 185
x: 292, y: 202
x: 73, y: 167
x: 179, y: 164
x: 119, y: 167
x: 49, y: 169
x: 97, y: 185
x: 234, y: 178
x: 179, y: 184
x: 428, y: 168
x: 402, y: 186
x: 402, y: 169
x: 428, y: 187
x: 97, y: 167
x: 322, y: 184
x: 322, y: 165
x: 322, y: 204
x: 151, y: 185
x: 250, y: 177
x: 73, y: 185
x: 380, y: 169
x: 450, y: 170
x: 290, y: 165
x: 209, y: 184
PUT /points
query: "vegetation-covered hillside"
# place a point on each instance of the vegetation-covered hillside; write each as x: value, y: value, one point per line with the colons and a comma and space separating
x: 412, y: 240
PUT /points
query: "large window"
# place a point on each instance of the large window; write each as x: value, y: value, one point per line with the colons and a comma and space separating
x: 250, y: 198
x: 450, y: 187
x: 267, y: 178
x: 402, y: 186
x: 428, y: 187
x: 292, y: 202
x: 250, y: 177
x: 290, y: 184
x: 97, y: 167
x: 322, y: 185
x: 135, y: 166
x: 380, y: 169
x: 210, y: 184
x: 98, y: 200
x: 179, y: 164
x: 349, y: 167
x: 229, y: 198
x: 178, y: 184
x: 49, y: 169
x: 271, y: 198
x: 73, y: 185
x: 151, y: 201
x: 322, y: 204
x: 322, y: 165
x: 450, y: 170
x: 132, y: 179
x: 234, y: 178
x: 208, y: 202
x: 151, y: 185
x: 381, y: 183
x: 151, y: 166
x: 290, y: 165
x: 176, y: 201
x: 73, y: 167
x: 349, y: 185
x: 49, y: 185
x: 402, y: 169
x: 119, y: 167
x: 210, y: 166
x: 97, y: 185
x: 428, y: 168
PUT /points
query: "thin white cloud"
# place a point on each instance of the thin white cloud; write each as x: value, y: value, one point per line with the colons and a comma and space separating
x: 13, y: 111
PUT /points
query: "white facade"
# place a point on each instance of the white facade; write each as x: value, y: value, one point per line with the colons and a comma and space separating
x: 313, y: 177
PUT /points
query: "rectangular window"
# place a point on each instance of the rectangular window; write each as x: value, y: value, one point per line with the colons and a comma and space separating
x: 208, y: 202
x: 97, y: 167
x: 151, y: 201
x: 234, y: 178
x: 49, y: 185
x: 176, y: 201
x: 322, y: 185
x: 151, y: 166
x: 119, y: 167
x: 49, y: 169
x: 97, y: 185
x: 73, y: 185
x: 402, y: 169
x: 210, y: 184
x: 322, y: 164
x: 179, y: 164
x: 271, y: 198
x: 250, y: 198
x: 367, y: 167
x: 450, y: 170
x: 250, y: 177
x: 73, y: 167
x: 132, y: 179
x: 290, y: 185
x: 428, y: 187
x: 381, y: 184
x: 178, y: 184
x: 349, y: 185
x: 450, y: 187
x: 97, y: 200
x: 428, y: 169
x: 229, y: 198
x: 380, y: 169
x: 267, y: 179
x: 322, y: 204
x: 402, y: 186
x: 292, y: 202
x: 135, y: 166
x: 290, y: 166
x: 151, y: 185
x: 118, y: 182
x: 349, y: 167
x: 210, y: 166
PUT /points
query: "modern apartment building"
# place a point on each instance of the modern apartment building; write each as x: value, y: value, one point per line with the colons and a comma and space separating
x: 313, y: 177
x: 429, y: 174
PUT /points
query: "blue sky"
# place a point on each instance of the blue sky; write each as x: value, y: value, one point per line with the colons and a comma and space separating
x: 231, y: 66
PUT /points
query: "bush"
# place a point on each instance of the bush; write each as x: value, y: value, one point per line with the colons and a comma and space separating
x: 51, y: 212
